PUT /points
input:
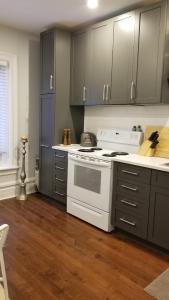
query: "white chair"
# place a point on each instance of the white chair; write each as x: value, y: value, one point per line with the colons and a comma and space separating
x: 3, y: 235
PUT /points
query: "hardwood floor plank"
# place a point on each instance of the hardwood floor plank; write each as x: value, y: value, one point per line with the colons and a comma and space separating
x: 51, y: 255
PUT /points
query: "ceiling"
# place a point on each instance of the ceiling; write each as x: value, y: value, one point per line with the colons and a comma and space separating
x: 37, y: 15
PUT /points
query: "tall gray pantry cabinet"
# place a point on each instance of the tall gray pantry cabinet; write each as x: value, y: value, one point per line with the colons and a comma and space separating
x: 55, y: 111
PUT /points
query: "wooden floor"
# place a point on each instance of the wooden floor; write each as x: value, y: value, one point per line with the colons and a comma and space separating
x: 51, y: 255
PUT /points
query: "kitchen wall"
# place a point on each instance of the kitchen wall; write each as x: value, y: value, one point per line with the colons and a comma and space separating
x: 125, y: 116
x: 26, y: 48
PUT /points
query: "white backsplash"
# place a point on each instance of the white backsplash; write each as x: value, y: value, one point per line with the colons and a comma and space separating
x: 125, y: 116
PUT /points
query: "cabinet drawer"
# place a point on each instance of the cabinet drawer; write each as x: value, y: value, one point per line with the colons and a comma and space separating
x: 60, y: 175
x: 60, y: 166
x: 131, y: 223
x: 133, y: 173
x: 135, y: 206
x: 60, y: 156
x: 60, y: 191
x: 160, y: 179
x: 60, y: 186
x: 133, y: 190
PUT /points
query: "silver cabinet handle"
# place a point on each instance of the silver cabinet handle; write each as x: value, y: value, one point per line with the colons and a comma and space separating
x: 84, y: 93
x: 107, y: 92
x: 127, y: 222
x: 104, y: 92
x: 60, y: 156
x: 58, y: 179
x: 128, y: 188
x: 128, y: 203
x: 131, y: 173
x: 57, y: 193
x: 59, y: 168
x: 51, y: 82
x: 44, y: 146
x: 132, y: 91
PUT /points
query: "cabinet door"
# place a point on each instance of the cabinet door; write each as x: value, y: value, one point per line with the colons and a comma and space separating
x: 123, y: 55
x: 47, y: 63
x: 101, y: 38
x: 46, y: 141
x: 159, y: 220
x: 45, y: 178
x: 149, y: 54
x: 47, y: 120
x: 79, y: 68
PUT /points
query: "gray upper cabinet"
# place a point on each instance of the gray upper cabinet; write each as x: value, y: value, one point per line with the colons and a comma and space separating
x: 124, y: 28
x: 149, y: 48
x: 101, y: 39
x: 127, y: 59
x: 47, y: 63
x: 79, y: 68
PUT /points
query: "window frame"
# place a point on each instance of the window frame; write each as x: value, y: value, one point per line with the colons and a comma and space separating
x: 13, y: 110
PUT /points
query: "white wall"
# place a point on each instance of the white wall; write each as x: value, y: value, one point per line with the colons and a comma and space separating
x: 26, y: 47
x: 125, y: 116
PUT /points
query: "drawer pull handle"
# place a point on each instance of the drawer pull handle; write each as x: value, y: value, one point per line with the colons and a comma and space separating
x: 58, y: 179
x: 60, y: 156
x: 129, y: 188
x: 128, y: 203
x: 59, y: 168
x: 127, y: 222
x: 130, y: 173
x: 44, y: 146
x: 57, y: 193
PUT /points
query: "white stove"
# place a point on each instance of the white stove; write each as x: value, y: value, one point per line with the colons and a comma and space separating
x: 90, y: 176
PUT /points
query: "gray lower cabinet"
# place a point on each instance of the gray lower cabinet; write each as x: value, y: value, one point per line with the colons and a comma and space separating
x: 59, y: 185
x: 45, y: 186
x: 131, y: 198
x: 47, y: 108
x: 56, y: 113
x: 141, y: 202
x: 159, y: 209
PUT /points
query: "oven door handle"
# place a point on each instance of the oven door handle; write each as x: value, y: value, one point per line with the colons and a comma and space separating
x: 99, y: 164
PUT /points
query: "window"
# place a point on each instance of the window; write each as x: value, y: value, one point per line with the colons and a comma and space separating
x: 4, y: 110
x: 8, y: 110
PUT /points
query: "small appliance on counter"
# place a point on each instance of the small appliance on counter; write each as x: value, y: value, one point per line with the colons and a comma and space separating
x: 88, y: 139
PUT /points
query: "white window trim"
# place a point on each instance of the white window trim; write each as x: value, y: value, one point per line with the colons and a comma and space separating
x: 13, y: 113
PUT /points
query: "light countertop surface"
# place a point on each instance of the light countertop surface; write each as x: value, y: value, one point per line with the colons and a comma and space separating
x: 66, y: 148
x: 156, y: 163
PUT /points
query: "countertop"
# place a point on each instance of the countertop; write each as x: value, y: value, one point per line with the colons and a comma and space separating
x: 156, y: 163
x: 66, y: 148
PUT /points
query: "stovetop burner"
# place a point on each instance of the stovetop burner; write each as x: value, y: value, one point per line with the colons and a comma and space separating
x: 113, y: 154
x: 86, y: 150
x: 96, y: 149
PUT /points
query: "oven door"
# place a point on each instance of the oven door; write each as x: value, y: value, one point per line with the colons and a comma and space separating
x: 90, y: 182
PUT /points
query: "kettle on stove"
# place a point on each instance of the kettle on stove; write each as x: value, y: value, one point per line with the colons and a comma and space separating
x: 88, y: 139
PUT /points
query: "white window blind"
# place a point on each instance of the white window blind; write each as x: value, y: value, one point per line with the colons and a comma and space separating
x: 4, y: 108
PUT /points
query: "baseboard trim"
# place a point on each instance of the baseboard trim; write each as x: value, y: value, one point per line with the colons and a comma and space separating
x: 11, y: 189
